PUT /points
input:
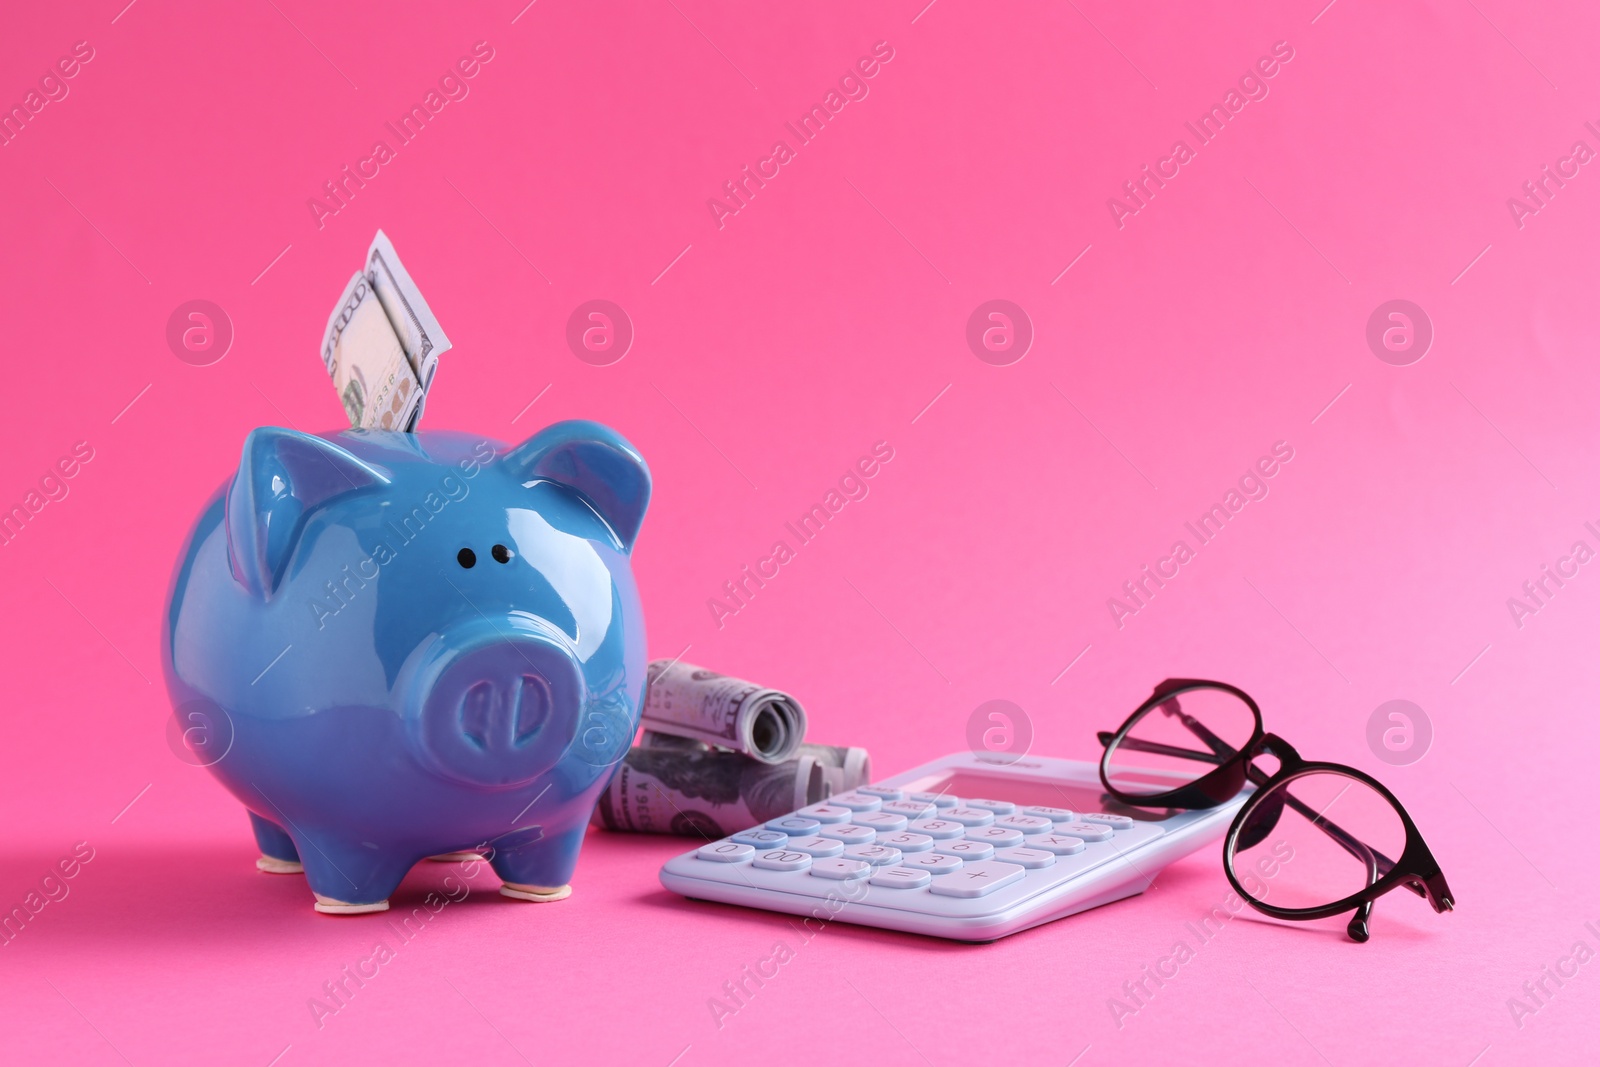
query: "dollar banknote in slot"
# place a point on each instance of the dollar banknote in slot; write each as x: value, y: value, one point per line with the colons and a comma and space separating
x: 420, y: 335
x: 382, y: 343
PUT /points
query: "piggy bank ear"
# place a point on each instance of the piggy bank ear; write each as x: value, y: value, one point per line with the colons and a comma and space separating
x: 598, y: 463
x: 282, y: 476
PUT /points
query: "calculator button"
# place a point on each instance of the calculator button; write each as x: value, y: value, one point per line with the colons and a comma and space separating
x: 906, y: 841
x: 840, y: 870
x: 912, y: 809
x: 932, y: 862
x: 794, y: 825
x: 998, y: 836
x: 826, y: 814
x: 725, y: 852
x: 877, y: 855
x: 850, y: 835
x: 1116, y: 822
x: 977, y: 880
x: 1089, y: 831
x: 856, y: 801
x: 968, y: 816
x: 883, y: 821
x: 901, y: 877
x: 886, y: 792
x: 1028, y: 824
x: 965, y: 850
x: 1031, y: 858
x: 939, y: 829
x: 815, y: 846
x: 782, y: 860
x: 999, y: 807
x: 938, y: 800
x: 1057, y: 844
x: 1053, y: 814
x: 767, y: 839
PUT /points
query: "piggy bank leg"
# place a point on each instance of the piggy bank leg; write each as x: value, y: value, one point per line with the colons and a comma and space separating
x: 351, y: 880
x: 278, y: 854
x: 535, y: 867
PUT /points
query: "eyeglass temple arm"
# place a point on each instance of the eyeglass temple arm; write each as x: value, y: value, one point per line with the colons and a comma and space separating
x: 1198, y: 728
x: 1135, y: 744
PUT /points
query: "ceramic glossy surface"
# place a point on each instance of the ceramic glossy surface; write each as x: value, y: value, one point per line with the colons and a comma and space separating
x: 392, y: 646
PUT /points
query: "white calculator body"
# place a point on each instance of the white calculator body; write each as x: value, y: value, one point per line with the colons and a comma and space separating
x: 965, y: 847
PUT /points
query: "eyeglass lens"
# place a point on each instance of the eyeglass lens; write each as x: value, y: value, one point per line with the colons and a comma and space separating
x: 1172, y: 743
x: 1315, y: 839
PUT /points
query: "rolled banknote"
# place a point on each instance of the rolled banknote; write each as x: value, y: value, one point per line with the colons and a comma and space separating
x: 421, y: 337
x: 375, y: 381
x: 692, y: 702
x: 842, y: 768
x: 707, y: 794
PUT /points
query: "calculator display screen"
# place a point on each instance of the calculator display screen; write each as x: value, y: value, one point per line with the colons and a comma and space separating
x: 1024, y: 792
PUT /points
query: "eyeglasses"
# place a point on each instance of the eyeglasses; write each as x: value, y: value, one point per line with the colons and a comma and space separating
x: 1314, y: 837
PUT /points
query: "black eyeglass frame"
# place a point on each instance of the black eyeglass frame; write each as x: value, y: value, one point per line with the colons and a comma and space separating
x: 1416, y: 869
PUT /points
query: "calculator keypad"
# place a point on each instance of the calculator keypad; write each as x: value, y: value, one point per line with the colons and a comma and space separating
x: 927, y: 853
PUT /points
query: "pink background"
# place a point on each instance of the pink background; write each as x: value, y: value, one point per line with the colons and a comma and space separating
x: 824, y: 317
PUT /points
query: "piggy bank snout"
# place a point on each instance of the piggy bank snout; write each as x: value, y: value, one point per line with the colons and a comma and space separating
x: 494, y: 707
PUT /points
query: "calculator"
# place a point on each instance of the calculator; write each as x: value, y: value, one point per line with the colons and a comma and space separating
x: 968, y: 847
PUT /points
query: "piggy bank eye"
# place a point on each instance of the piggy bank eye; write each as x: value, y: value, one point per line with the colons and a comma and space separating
x: 466, y: 557
x: 501, y: 554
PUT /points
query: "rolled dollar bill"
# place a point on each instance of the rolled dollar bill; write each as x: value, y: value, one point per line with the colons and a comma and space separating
x: 842, y: 768
x: 651, y: 739
x: 692, y: 702
x: 707, y: 794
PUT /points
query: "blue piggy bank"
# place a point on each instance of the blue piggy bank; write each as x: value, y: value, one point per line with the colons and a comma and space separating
x: 390, y: 646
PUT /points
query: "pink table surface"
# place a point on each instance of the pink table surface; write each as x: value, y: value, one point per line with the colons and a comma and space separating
x: 1173, y: 346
